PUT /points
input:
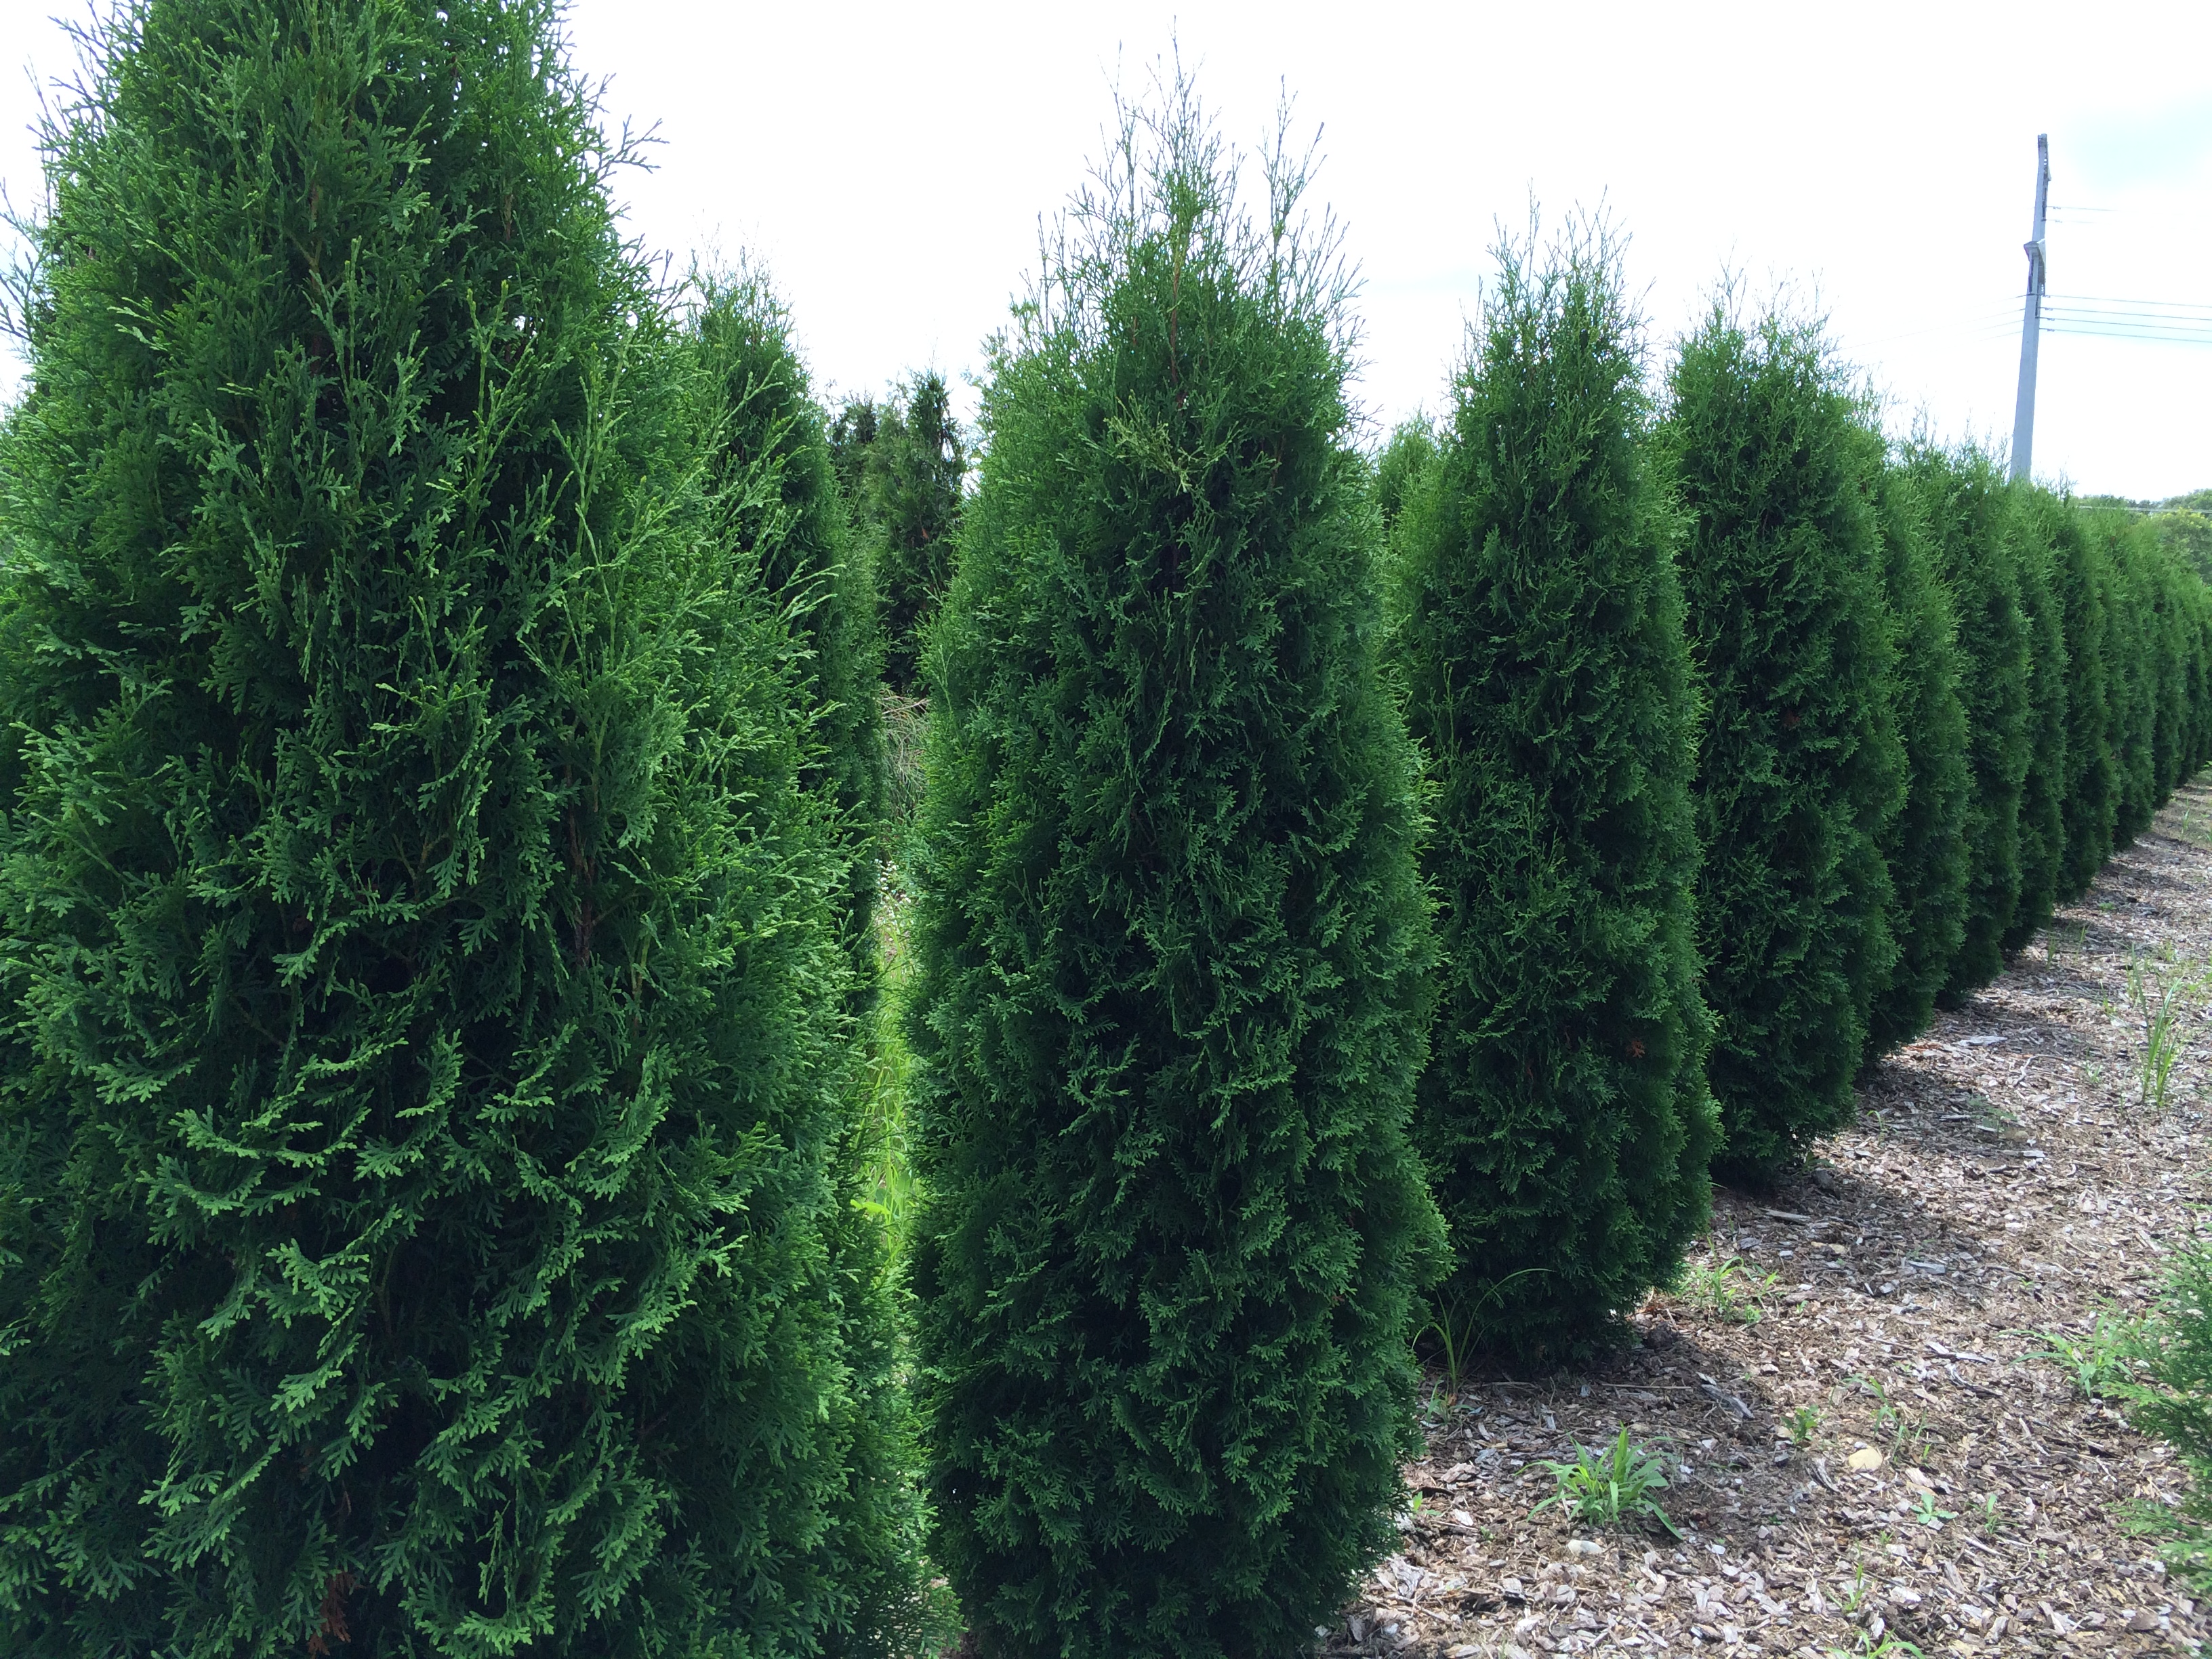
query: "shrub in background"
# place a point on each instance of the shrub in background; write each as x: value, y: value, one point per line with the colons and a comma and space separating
x: 1801, y: 771
x: 902, y: 464
x: 2081, y: 576
x: 1564, y: 1115
x: 1970, y: 533
x: 420, y: 930
x: 1399, y: 469
x: 1925, y: 846
x: 774, y: 504
x: 775, y: 492
x: 1173, y: 956
x: 2131, y: 676
x: 2169, y: 652
x: 2043, y: 790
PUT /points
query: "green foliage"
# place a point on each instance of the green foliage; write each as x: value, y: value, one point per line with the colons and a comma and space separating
x: 774, y: 488
x: 1926, y: 1514
x: 418, y: 903
x: 1970, y: 532
x: 2173, y: 1401
x: 2043, y: 790
x: 2163, y: 998
x: 1728, y: 1291
x: 1609, y: 1486
x: 1801, y: 770
x: 2187, y: 533
x: 1399, y: 470
x: 1564, y: 1115
x: 1925, y: 847
x: 902, y: 464
x: 2081, y: 575
x: 2130, y: 675
x: 1173, y: 954
x: 2106, y: 1361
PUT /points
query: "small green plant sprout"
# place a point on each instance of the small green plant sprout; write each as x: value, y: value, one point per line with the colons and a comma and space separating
x: 2104, y: 1362
x: 1609, y: 1486
x: 1990, y: 1517
x: 1925, y: 1512
x: 2162, y: 998
x: 1911, y: 1437
x: 1884, y: 1414
x: 1889, y: 1647
x: 1804, y: 1423
x: 1728, y: 1291
x: 1454, y: 1331
x: 1854, y: 1594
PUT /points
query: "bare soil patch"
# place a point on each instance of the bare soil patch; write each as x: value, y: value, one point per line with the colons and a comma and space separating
x: 2006, y: 1180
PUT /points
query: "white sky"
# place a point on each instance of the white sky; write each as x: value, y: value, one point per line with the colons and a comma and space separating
x: 889, y: 164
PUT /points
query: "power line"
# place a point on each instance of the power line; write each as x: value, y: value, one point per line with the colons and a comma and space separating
x: 2177, y: 310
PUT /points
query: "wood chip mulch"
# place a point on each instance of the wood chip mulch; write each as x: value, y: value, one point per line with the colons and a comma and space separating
x: 2006, y: 1180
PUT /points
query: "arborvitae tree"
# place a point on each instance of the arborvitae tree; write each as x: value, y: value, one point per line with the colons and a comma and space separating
x: 2129, y: 674
x: 420, y: 930
x: 850, y: 431
x: 1801, y: 771
x: 2043, y: 791
x: 1970, y: 532
x: 2197, y: 611
x: 2082, y: 575
x: 1925, y: 848
x: 765, y: 429
x: 902, y: 463
x: 2167, y: 654
x: 773, y: 493
x: 1564, y: 1115
x: 1399, y: 469
x: 1172, y: 952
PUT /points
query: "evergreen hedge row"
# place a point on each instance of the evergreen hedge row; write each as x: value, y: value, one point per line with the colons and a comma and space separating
x: 1925, y: 847
x: 442, y: 792
x: 1970, y: 521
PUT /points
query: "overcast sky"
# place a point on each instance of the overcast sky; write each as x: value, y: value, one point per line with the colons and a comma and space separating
x: 889, y: 164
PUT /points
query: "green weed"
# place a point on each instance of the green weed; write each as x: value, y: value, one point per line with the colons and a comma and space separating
x: 1609, y: 1486
x: 1804, y: 1423
x: 1728, y: 1291
x: 2103, y: 1363
x: 1925, y: 1513
x: 2161, y: 997
x: 1453, y: 1329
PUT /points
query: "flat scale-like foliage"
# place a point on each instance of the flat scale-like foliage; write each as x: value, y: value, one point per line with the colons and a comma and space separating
x: 419, y: 919
x: 776, y: 492
x: 901, y: 464
x: 2043, y: 791
x: 1173, y: 955
x: 1969, y: 531
x: 1801, y: 771
x: 2080, y: 574
x: 1564, y: 1115
x: 2129, y: 671
x: 1925, y: 848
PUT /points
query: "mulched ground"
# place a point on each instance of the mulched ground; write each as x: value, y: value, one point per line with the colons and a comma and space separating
x: 2006, y: 1181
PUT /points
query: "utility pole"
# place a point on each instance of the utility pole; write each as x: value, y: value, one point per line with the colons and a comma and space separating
x: 2031, y: 328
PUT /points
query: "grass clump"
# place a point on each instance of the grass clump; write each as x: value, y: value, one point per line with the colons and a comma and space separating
x: 1609, y: 1485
